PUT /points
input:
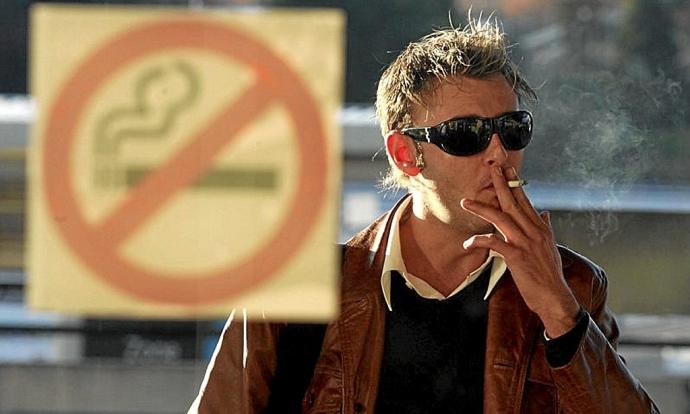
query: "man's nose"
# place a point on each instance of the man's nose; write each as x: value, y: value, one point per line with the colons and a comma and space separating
x: 495, y: 153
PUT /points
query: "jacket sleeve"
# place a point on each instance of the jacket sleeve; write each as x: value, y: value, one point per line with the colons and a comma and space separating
x: 596, y: 379
x: 233, y: 384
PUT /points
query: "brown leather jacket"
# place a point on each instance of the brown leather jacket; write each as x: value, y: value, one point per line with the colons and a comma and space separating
x: 517, y: 377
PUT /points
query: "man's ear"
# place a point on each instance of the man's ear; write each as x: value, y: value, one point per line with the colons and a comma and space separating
x: 402, y: 151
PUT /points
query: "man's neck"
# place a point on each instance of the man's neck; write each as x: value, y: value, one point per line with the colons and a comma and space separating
x: 432, y: 250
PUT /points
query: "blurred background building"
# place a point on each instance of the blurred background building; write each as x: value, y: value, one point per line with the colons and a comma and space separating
x: 610, y: 159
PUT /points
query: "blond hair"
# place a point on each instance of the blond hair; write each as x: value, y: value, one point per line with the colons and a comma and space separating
x: 478, y: 50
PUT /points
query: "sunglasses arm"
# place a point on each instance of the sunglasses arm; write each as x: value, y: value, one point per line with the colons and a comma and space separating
x: 420, y: 134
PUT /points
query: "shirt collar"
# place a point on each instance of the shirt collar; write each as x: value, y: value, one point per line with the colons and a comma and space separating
x: 393, y: 261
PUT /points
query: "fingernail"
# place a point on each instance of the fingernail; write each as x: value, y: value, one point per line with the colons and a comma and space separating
x: 466, y: 244
x: 498, y: 170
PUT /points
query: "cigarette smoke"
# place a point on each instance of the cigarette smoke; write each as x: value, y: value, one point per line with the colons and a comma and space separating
x: 600, y: 131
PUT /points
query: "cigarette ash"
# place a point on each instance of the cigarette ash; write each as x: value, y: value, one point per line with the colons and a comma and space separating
x: 602, y: 132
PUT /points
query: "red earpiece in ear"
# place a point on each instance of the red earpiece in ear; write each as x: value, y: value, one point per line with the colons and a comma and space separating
x: 402, y: 151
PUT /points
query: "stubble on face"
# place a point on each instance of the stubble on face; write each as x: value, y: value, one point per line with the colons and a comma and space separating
x: 447, y: 179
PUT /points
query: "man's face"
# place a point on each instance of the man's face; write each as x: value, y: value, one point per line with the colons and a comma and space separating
x: 447, y: 179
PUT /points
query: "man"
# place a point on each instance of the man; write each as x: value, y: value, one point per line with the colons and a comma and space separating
x: 457, y: 300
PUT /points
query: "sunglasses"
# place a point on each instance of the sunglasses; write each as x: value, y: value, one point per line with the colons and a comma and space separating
x: 471, y: 135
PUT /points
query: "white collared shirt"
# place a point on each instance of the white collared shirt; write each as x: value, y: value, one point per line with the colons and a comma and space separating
x: 393, y: 261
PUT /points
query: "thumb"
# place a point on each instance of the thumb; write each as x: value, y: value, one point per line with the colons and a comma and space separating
x: 489, y: 241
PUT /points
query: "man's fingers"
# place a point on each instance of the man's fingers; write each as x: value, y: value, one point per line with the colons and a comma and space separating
x: 519, y: 193
x: 521, y: 198
x: 509, y: 204
x: 546, y: 216
x: 503, y: 222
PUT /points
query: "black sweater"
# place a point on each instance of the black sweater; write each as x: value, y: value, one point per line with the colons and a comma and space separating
x: 433, y: 360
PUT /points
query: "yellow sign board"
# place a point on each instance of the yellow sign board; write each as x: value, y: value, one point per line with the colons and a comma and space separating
x: 185, y: 163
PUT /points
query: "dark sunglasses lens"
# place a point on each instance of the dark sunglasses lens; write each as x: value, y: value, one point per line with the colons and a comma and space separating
x: 463, y: 136
x: 516, y: 130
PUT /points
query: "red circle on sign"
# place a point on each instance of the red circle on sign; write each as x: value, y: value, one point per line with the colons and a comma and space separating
x: 94, y: 244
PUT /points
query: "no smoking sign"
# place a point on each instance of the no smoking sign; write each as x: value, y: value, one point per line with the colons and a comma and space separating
x: 184, y: 164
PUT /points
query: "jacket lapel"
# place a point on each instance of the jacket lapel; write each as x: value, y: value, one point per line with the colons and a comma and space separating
x: 511, y: 333
x: 362, y: 319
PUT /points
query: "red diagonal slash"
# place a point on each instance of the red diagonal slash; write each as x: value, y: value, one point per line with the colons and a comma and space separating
x: 185, y: 167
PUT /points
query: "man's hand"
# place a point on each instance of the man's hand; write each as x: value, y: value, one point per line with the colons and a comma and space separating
x: 526, y: 241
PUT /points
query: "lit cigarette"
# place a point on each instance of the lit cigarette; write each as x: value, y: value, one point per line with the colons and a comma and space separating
x: 516, y: 183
